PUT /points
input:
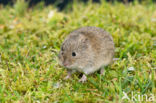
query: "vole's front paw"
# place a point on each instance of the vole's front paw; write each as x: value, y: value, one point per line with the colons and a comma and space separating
x: 83, y: 79
x: 67, y: 77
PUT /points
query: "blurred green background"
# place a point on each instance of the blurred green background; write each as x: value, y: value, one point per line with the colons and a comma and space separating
x: 31, y: 36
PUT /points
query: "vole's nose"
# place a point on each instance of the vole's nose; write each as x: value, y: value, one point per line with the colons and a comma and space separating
x: 65, y: 63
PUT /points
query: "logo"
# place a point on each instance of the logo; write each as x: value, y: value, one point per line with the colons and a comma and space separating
x: 138, y: 97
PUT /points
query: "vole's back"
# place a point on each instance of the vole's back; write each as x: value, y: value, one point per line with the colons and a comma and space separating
x: 101, y: 42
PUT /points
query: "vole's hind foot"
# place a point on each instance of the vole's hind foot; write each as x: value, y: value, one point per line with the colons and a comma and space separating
x: 83, y: 79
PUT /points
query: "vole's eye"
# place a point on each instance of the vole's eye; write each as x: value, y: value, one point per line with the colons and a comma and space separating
x: 73, y: 54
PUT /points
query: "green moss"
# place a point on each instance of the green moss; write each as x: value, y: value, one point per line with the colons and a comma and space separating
x: 30, y: 41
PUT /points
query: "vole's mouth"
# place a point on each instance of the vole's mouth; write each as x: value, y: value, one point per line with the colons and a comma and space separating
x: 67, y: 66
x: 70, y: 67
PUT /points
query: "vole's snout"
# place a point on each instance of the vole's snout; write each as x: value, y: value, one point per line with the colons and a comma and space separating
x: 65, y: 64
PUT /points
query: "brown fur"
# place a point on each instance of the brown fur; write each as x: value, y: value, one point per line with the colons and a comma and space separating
x: 93, y: 46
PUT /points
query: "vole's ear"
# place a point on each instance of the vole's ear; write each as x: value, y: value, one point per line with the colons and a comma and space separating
x: 83, y: 39
x: 84, y: 42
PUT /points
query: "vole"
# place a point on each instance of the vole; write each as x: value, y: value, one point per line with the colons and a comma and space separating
x: 86, y: 50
